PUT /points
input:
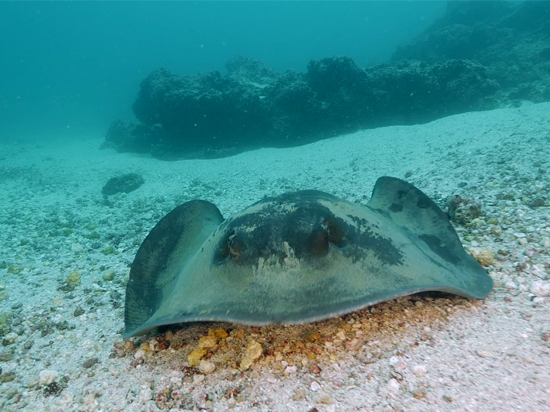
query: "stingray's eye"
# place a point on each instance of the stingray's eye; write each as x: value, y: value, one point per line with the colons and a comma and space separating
x: 318, y: 240
x: 336, y: 236
x: 236, y: 246
x: 224, y: 251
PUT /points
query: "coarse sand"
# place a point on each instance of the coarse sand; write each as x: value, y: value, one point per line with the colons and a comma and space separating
x: 66, y: 251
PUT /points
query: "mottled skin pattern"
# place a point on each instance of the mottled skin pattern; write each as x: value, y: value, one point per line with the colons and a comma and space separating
x: 302, y: 221
x: 296, y: 258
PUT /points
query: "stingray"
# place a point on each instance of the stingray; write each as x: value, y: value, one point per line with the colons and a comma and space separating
x: 295, y: 258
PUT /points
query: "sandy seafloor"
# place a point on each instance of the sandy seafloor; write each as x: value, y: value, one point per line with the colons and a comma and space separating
x: 417, y: 353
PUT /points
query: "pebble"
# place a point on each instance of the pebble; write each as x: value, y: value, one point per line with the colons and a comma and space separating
x: 541, y: 289
x: 6, y: 356
x: 90, y: 402
x: 109, y: 276
x: 198, y: 379
x: 324, y: 399
x: 73, y: 278
x: 393, y: 386
x: 194, y: 357
x: 66, y: 399
x: 206, y: 366
x: 77, y: 247
x: 78, y: 312
x: 7, y: 376
x: 419, y: 370
x: 202, y: 402
x: 252, y: 352
x: 10, y: 338
x: 314, y: 386
x: 483, y: 255
x: 397, y: 364
x: 419, y: 393
x: 511, y: 285
x: 145, y: 394
x: 354, y: 344
x: 299, y: 395
x: 88, y: 363
x: 540, y: 273
x: 207, y: 342
x: 484, y: 353
x: 48, y: 376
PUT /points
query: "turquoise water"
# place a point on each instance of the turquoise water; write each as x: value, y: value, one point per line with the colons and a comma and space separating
x: 69, y: 69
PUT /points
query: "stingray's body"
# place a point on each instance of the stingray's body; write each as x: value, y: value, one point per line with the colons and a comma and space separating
x: 296, y: 258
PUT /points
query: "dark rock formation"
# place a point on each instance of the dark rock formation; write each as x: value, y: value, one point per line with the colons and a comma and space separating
x: 135, y: 137
x: 122, y: 184
x: 252, y: 106
x: 480, y: 55
x: 511, y: 41
x: 463, y: 210
x: 406, y: 92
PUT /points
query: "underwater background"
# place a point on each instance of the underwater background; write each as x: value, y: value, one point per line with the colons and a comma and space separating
x: 113, y: 114
x: 73, y: 67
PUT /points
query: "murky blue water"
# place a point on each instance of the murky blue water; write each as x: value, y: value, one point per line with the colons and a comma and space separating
x: 70, y: 68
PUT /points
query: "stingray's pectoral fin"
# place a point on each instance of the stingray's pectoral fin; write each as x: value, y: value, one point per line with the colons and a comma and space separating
x: 430, y: 230
x: 162, y: 255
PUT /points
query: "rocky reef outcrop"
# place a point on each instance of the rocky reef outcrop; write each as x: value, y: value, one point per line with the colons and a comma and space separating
x: 478, y: 56
x: 252, y: 106
x: 511, y: 41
